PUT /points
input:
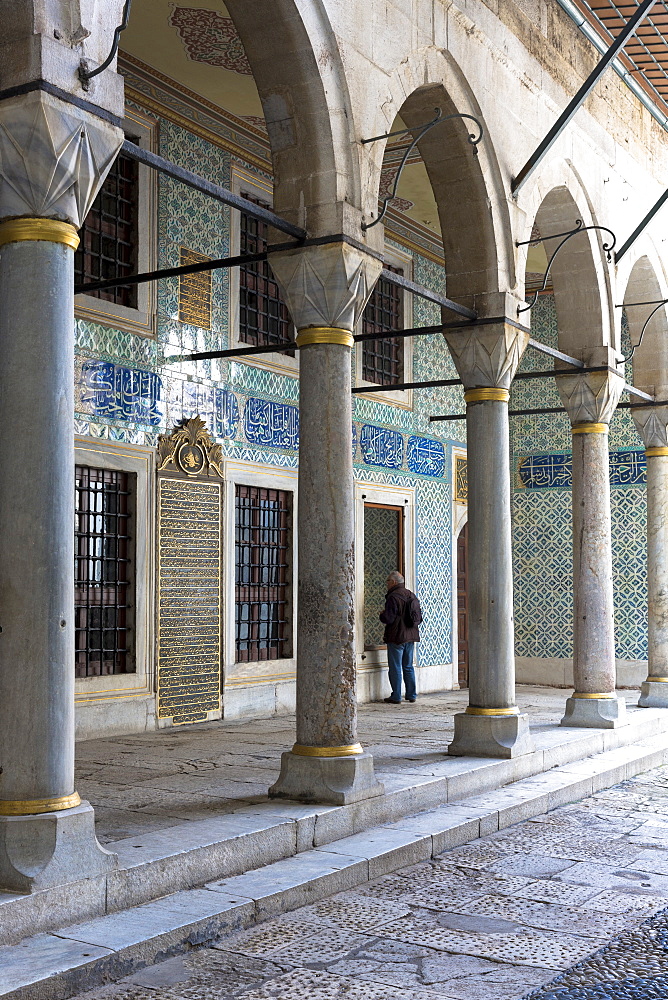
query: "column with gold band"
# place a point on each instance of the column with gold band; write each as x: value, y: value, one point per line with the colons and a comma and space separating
x: 652, y: 424
x: 590, y: 401
x: 47, y: 834
x: 326, y: 289
x: 492, y: 725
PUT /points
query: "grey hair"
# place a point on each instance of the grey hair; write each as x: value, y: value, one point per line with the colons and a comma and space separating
x: 396, y: 576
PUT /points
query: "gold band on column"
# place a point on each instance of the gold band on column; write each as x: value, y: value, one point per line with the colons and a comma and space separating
x: 658, y: 680
x: 605, y: 697
x: 471, y: 710
x: 651, y: 452
x: 34, y: 806
x: 46, y: 230
x: 347, y: 751
x: 480, y: 395
x: 589, y: 428
x: 324, y: 335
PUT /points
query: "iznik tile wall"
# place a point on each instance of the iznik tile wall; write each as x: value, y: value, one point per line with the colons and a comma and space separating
x: 129, y: 389
x: 542, y: 537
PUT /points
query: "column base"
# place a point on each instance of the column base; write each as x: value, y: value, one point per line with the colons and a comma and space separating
x: 332, y: 780
x: 653, y: 694
x: 491, y: 736
x: 595, y: 713
x: 40, y: 851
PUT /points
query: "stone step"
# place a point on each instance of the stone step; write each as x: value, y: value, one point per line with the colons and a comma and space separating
x: 87, y: 954
x: 187, y: 855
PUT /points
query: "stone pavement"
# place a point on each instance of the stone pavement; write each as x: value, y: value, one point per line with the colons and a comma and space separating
x: 152, y: 781
x: 496, y: 919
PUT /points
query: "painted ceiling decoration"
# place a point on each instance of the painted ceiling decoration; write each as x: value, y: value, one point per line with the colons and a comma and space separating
x: 646, y: 53
x: 211, y: 38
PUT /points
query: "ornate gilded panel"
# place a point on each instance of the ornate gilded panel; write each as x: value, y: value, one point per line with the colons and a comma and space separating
x: 189, y: 599
x: 461, y: 480
x: 195, y: 291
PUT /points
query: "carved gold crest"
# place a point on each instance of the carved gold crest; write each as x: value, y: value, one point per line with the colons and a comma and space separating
x: 191, y: 450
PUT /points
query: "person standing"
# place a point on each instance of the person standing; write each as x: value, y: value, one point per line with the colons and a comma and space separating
x: 401, y: 617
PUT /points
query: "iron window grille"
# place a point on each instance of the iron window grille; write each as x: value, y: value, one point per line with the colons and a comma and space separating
x: 109, y: 241
x: 263, y: 529
x: 263, y: 316
x: 102, y: 572
x: 383, y: 360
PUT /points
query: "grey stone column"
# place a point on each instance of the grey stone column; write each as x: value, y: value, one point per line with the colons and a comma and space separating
x: 590, y: 401
x: 53, y: 159
x: 492, y: 726
x: 652, y: 424
x: 326, y: 289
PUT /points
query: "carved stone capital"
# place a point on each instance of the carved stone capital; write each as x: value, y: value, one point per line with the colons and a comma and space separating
x: 652, y: 425
x: 53, y: 158
x: 326, y: 286
x: 590, y: 398
x: 487, y: 356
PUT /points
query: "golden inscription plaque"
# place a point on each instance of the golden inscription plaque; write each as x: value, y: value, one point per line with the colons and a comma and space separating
x: 189, y: 598
x: 461, y: 480
x: 195, y: 291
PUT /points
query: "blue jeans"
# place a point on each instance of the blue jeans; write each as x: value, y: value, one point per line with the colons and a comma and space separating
x: 400, y: 661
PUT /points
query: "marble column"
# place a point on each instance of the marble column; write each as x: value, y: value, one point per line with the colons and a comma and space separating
x: 652, y: 425
x: 326, y: 289
x: 486, y: 358
x: 590, y: 401
x: 53, y: 158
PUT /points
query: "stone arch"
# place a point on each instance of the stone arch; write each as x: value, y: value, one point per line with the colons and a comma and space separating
x: 554, y: 202
x: 468, y: 189
x: 306, y: 107
x: 644, y: 281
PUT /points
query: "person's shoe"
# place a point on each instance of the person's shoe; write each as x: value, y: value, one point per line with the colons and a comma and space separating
x: 411, y: 699
x: 392, y: 701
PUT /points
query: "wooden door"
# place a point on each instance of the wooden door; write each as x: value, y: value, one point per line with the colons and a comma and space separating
x: 462, y: 608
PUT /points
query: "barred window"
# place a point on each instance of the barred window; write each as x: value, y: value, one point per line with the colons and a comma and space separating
x: 109, y: 235
x: 263, y: 317
x: 102, y: 577
x: 383, y: 360
x: 263, y: 524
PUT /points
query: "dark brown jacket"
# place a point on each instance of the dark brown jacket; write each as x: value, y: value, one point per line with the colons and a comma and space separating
x: 394, y: 616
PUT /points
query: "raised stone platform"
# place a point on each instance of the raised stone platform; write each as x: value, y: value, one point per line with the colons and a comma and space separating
x: 262, y: 857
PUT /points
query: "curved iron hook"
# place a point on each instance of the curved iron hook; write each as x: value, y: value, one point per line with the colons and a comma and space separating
x: 642, y: 332
x: 84, y: 75
x: 473, y: 139
x: 579, y: 228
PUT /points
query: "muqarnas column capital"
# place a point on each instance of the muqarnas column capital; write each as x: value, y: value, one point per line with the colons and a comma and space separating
x: 328, y: 286
x: 590, y: 398
x: 54, y: 158
x: 652, y: 425
x: 488, y: 355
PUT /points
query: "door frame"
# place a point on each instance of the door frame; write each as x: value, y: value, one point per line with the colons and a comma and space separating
x: 460, y: 516
x: 384, y: 496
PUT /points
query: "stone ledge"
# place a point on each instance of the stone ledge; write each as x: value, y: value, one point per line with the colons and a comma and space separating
x: 85, y: 955
x: 191, y: 854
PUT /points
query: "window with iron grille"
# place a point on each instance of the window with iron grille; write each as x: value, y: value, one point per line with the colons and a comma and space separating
x: 263, y: 529
x: 263, y: 317
x: 102, y: 573
x: 383, y: 360
x: 109, y: 240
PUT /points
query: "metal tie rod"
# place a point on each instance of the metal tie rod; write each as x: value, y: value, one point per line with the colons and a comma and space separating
x: 659, y: 203
x: 213, y: 190
x: 582, y: 94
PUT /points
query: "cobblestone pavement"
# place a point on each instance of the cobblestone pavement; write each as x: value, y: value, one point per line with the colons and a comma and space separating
x: 152, y: 781
x: 497, y: 919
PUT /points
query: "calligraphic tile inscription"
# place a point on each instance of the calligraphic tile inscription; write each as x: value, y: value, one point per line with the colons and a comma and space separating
x: 461, y: 480
x: 274, y: 424
x: 426, y: 457
x: 555, y: 471
x: 382, y: 447
x: 195, y: 291
x: 189, y: 599
x: 120, y: 393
